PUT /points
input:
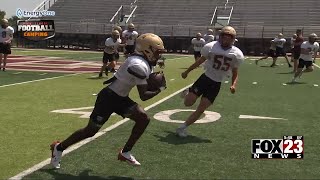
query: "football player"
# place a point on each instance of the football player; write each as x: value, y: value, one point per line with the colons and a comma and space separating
x: 117, y: 56
x: 209, y: 37
x: 110, y: 52
x: 271, y: 53
x: 308, y: 55
x: 115, y: 99
x: 129, y: 37
x: 280, y: 41
x: 6, y: 36
x: 221, y: 58
x: 198, y: 42
x: 297, y: 49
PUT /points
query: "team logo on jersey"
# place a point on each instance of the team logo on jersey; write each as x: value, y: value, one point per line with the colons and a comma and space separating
x: 36, y: 30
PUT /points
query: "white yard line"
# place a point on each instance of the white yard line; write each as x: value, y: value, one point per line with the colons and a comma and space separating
x: 26, y: 82
x: 78, y: 145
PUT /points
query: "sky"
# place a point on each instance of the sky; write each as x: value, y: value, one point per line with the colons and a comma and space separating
x: 10, y: 6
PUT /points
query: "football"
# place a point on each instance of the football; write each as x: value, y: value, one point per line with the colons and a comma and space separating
x: 155, y: 81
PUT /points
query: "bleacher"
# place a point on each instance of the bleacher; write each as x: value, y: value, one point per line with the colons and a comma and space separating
x: 272, y: 17
x: 169, y: 12
x: 91, y: 16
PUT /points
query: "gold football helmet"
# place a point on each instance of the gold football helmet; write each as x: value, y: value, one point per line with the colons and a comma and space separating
x: 4, y: 23
x: 227, y: 41
x: 312, y: 37
x: 130, y: 27
x: 229, y: 30
x: 151, y: 46
x: 115, y: 34
x: 118, y: 28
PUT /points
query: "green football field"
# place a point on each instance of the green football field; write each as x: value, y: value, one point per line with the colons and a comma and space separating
x: 219, y: 149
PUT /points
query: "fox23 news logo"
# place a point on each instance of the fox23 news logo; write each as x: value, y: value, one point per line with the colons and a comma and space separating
x: 289, y: 147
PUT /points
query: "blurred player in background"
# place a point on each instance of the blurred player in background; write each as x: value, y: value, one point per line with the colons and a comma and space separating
x: 280, y: 41
x: 198, y: 42
x: 129, y: 38
x: 110, y: 52
x: 297, y: 49
x: 221, y: 58
x: 115, y: 99
x: 309, y: 50
x: 6, y: 36
x: 117, y: 56
x: 292, y: 40
x: 209, y: 37
x: 271, y: 53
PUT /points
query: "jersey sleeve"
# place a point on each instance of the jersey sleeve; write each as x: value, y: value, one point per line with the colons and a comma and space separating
x: 108, y: 42
x: 205, y: 50
x: 11, y: 31
x: 192, y: 41
x: 139, y: 74
x: 304, y: 46
x: 316, y: 47
x: 239, y: 58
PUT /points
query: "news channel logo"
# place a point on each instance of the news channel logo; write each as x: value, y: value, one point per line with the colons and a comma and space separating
x: 20, y: 13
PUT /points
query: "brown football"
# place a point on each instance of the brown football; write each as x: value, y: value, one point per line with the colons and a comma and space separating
x: 155, y: 81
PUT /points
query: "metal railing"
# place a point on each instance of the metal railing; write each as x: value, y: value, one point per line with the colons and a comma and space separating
x: 131, y: 14
x: 213, y: 16
x: 116, y: 14
x: 184, y: 31
x: 44, y: 5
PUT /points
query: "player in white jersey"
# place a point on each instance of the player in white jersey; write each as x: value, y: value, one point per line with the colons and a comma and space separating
x: 308, y: 55
x: 209, y: 37
x: 197, y: 44
x: 129, y: 37
x: 117, y: 56
x: 221, y: 58
x: 280, y: 41
x: 110, y: 52
x: 115, y: 99
x: 271, y: 53
x: 6, y: 36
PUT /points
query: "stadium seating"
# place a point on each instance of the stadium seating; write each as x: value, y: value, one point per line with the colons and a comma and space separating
x: 275, y: 16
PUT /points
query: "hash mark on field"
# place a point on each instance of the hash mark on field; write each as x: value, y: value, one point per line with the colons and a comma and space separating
x: 78, y: 145
x: 43, y: 74
x: 17, y: 73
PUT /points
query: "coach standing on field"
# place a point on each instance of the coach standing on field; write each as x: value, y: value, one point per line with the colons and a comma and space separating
x: 6, y: 36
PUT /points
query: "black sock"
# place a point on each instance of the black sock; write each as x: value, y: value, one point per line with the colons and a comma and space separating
x: 60, y: 148
x: 126, y: 149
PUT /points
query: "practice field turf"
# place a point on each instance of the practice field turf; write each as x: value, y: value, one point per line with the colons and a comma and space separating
x: 219, y: 149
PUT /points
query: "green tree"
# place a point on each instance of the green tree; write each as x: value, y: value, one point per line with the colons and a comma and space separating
x: 13, y: 21
x: 2, y: 14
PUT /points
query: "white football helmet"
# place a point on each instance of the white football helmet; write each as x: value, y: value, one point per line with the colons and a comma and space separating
x: 151, y: 47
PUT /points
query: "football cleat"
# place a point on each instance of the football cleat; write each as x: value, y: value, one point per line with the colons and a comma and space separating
x: 181, y: 132
x: 55, y: 155
x: 128, y: 157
